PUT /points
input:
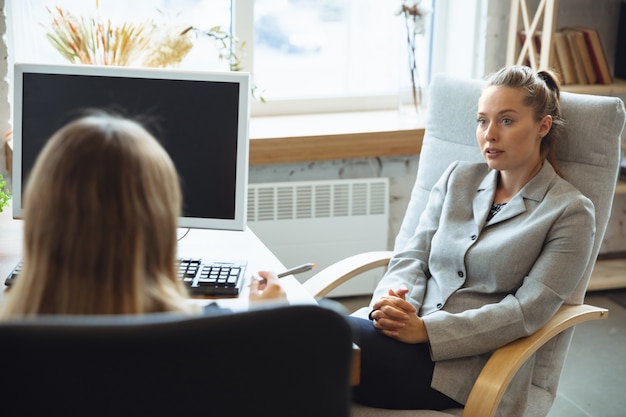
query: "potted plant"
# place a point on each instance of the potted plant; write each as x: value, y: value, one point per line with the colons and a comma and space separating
x: 5, y: 194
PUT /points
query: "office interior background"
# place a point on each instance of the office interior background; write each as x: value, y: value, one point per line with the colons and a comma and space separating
x: 465, y: 38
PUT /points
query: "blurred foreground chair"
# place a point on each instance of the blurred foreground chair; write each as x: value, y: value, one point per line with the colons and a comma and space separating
x: 589, y: 158
x: 286, y: 361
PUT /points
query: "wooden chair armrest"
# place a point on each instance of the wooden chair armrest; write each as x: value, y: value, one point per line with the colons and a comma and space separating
x: 506, y: 361
x: 329, y: 278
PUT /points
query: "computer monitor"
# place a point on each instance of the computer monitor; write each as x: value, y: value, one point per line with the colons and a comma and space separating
x: 201, y: 119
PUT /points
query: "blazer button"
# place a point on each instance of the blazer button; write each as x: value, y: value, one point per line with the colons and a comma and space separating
x: 474, y: 237
x: 461, y: 274
x: 439, y: 305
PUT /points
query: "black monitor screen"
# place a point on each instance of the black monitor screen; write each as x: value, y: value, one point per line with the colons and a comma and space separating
x: 199, y: 118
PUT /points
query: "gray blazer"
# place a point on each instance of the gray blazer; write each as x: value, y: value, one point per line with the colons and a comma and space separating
x: 480, y: 284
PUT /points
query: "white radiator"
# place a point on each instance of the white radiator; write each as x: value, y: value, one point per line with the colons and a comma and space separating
x: 322, y: 222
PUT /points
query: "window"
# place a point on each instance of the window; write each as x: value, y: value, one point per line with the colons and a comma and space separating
x: 328, y: 54
x: 305, y: 55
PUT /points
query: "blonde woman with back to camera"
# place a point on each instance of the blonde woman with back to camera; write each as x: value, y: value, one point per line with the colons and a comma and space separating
x: 100, y: 221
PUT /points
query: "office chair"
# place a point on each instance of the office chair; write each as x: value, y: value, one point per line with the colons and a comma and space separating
x: 284, y: 361
x: 589, y: 158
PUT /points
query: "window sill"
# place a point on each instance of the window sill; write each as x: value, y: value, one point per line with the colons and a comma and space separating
x: 317, y: 137
x: 322, y: 137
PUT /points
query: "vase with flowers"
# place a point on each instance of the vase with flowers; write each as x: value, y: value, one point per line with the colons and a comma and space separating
x: 414, y: 15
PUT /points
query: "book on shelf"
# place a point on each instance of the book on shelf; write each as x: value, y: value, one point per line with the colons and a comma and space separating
x: 585, y: 72
x: 566, y: 60
x: 579, y: 67
x: 597, y: 54
x: 555, y: 63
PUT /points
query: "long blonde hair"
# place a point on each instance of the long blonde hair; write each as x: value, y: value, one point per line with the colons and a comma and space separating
x: 100, y: 219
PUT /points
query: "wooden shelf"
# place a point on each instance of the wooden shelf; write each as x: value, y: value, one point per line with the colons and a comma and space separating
x: 617, y: 87
x: 608, y: 274
x: 329, y: 136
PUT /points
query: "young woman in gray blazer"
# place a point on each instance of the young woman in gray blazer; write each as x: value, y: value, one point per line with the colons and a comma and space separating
x: 498, y: 248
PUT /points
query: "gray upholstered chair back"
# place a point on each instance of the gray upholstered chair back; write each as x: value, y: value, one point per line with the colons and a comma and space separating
x: 588, y: 156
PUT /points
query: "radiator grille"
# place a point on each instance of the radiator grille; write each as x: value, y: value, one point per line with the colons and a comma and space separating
x: 306, y: 200
x: 322, y: 222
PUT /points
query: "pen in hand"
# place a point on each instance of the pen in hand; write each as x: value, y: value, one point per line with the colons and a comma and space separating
x: 292, y: 271
x: 297, y: 270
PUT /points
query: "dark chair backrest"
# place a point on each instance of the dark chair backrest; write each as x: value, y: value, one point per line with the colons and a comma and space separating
x: 282, y: 361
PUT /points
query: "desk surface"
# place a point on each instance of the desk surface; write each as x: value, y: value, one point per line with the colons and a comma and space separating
x: 213, y: 244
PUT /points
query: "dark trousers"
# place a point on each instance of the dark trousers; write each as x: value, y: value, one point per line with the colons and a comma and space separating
x: 394, y: 374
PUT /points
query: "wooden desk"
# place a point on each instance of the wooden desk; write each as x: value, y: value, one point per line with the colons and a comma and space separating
x: 201, y: 243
